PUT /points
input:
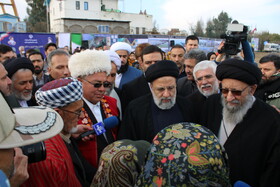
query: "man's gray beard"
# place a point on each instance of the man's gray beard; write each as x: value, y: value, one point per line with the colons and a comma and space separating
x: 164, y: 106
x: 215, y: 88
x: 22, y: 97
x: 73, y: 130
x: 235, y: 114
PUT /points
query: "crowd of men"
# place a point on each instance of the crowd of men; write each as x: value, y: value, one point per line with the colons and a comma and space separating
x: 238, y: 100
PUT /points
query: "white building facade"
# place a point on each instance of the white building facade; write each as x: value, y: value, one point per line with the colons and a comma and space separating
x: 96, y: 16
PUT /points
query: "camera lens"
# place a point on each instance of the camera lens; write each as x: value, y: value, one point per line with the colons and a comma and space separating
x: 35, y: 152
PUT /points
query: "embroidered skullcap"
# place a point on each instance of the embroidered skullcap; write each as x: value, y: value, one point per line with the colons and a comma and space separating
x: 121, y: 46
x: 89, y: 62
x: 240, y: 70
x: 185, y: 154
x: 119, y: 159
x: 161, y: 69
x: 15, y: 64
x: 59, y: 93
x: 114, y: 57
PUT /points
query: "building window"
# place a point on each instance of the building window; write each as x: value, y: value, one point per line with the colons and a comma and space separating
x: 60, y: 6
x: 77, y: 5
x: 137, y: 30
x: 103, y: 28
x: 143, y: 30
x: 86, y: 5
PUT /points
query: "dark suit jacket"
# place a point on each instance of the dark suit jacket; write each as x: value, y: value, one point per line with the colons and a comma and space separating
x: 198, y: 100
x: 185, y: 87
x: 138, y: 120
x: 83, y: 169
x: 133, y: 90
x: 13, y: 101
x: 254, y: 144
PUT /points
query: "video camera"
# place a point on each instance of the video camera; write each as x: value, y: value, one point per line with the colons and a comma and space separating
x: 235, y: 34
x: 35, y: 152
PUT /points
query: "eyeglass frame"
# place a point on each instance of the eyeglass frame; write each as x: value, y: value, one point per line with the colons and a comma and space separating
x: 99, y: 84
x: 233, y: 92
x: 76, y: 113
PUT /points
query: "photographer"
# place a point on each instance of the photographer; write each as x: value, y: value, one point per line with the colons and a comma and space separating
x: 14, y: 134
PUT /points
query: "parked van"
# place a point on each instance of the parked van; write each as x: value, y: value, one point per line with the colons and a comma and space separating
x: 271, y: 47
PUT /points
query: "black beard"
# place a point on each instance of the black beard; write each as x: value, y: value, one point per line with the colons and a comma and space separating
x: 37, y: 71
x: 123, y: 68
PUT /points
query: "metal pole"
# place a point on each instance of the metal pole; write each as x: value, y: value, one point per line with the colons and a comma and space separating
x: 47, y: 12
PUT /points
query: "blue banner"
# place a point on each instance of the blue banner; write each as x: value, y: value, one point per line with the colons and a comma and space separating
x: 27, y: 40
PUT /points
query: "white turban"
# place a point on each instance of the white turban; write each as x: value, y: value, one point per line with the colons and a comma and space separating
x: 114, y: 57
x: 121, y: 46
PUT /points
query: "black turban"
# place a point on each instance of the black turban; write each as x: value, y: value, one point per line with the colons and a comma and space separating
x: 15, y: 64
x: 240, y: 70
x: 161, y: 69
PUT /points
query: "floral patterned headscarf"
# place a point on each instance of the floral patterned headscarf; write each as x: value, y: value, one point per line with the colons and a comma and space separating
x: 185, y: 154
x: 120, y: 163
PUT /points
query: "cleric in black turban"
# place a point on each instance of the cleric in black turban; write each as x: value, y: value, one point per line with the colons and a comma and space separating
x: 239, y: 70
x: 15, y: 64
x: 161, y: 69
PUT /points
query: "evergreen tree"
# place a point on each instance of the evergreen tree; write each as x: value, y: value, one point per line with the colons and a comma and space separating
x: 210, y: 29
x: 220, y: 24
x: 199, y: 28
x: 37, y: 18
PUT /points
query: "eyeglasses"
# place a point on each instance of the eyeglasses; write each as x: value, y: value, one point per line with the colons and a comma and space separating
x: 207, y: 77
x: 233, y: 92
x: 98, y: 85
x: 76, y: 113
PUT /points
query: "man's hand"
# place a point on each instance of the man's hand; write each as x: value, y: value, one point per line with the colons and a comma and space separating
x: 82, y: 129
x: 20, y: 164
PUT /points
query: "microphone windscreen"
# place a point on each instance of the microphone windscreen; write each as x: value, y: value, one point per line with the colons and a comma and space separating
x: 241, y: 184
x: 111, y: 122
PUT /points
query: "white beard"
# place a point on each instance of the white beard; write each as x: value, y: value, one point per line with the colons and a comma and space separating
x: 164, y: 106
x: 215, y: 88
x: 235, y: 114
x: 73, y: 130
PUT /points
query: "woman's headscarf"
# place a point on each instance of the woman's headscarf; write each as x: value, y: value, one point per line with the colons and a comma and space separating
x: 121, y: 163
x: 185, y: 154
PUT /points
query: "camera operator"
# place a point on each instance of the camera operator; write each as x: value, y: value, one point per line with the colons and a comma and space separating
x: 229, y: 47
x: 13, y: 134
x: 20, y: 160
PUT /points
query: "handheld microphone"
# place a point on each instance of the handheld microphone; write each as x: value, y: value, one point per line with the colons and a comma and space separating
x: 100, y: 127
x: 241, y: 184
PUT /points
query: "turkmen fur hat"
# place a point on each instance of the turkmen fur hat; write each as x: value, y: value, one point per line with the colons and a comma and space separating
x: 89, y: 62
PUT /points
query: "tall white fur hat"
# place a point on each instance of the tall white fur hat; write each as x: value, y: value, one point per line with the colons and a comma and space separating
x: 89, y: 62
x: 121, y: 46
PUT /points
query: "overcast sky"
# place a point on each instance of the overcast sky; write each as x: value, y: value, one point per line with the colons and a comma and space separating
x: 261, y: 14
